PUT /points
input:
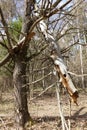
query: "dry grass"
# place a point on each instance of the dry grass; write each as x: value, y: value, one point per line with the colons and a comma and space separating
x: 45, y: 112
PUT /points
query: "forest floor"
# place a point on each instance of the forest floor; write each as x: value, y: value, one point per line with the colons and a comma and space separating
x: 44, y: 111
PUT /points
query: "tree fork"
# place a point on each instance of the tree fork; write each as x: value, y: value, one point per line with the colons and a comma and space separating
x: 19, y: 74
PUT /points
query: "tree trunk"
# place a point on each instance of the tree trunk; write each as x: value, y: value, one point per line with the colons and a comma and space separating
x: 19, y: 74
x: 20, y: 88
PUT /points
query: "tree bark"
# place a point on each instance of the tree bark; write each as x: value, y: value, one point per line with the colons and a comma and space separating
x: 20, y: 90
x: 19, y: 74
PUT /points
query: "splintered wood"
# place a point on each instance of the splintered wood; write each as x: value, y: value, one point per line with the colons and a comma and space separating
x: 56, y: 56
x: 65, y: 78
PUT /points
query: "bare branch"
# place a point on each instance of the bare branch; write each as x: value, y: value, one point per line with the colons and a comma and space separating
x: 77, y: 75
x: 39, y: 79
x: 65, y: 4
x: 68, y: 48
x: 4, y: 45
x: 36, y: 53
x: 4, y: 39
x: 3, y: 123
x: 58, y: 9
x: 43, y: 91
x: 5, y: 59
x: 40, y: 19
x: 6, y: 28
x: 56, y: 3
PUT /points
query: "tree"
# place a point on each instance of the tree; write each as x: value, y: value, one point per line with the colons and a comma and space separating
x: 19, y: 56
x: 18, y: 53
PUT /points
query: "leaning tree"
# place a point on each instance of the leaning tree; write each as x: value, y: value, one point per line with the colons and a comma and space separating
x: 35, y: 13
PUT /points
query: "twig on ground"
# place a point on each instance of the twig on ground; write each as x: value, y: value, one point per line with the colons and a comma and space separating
x: 3, y: 123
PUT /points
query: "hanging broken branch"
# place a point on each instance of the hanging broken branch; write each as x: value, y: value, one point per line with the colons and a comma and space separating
x: 58, y: 61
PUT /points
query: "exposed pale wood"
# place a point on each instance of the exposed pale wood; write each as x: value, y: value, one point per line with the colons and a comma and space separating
x: 64, y: 124
x: 58, y: 61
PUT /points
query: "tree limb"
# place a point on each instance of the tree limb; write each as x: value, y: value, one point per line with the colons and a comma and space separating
x: 68, y: 48
x: 43, y: 91
x: 6, y: 28
x: 38, y: 19
x: 58, y: 9
x: 5, y: 59
x: 40, y: 79
x: 36, y: 53
x: 77, y: 75
x: 56, y: 3
x: 4, y: 45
